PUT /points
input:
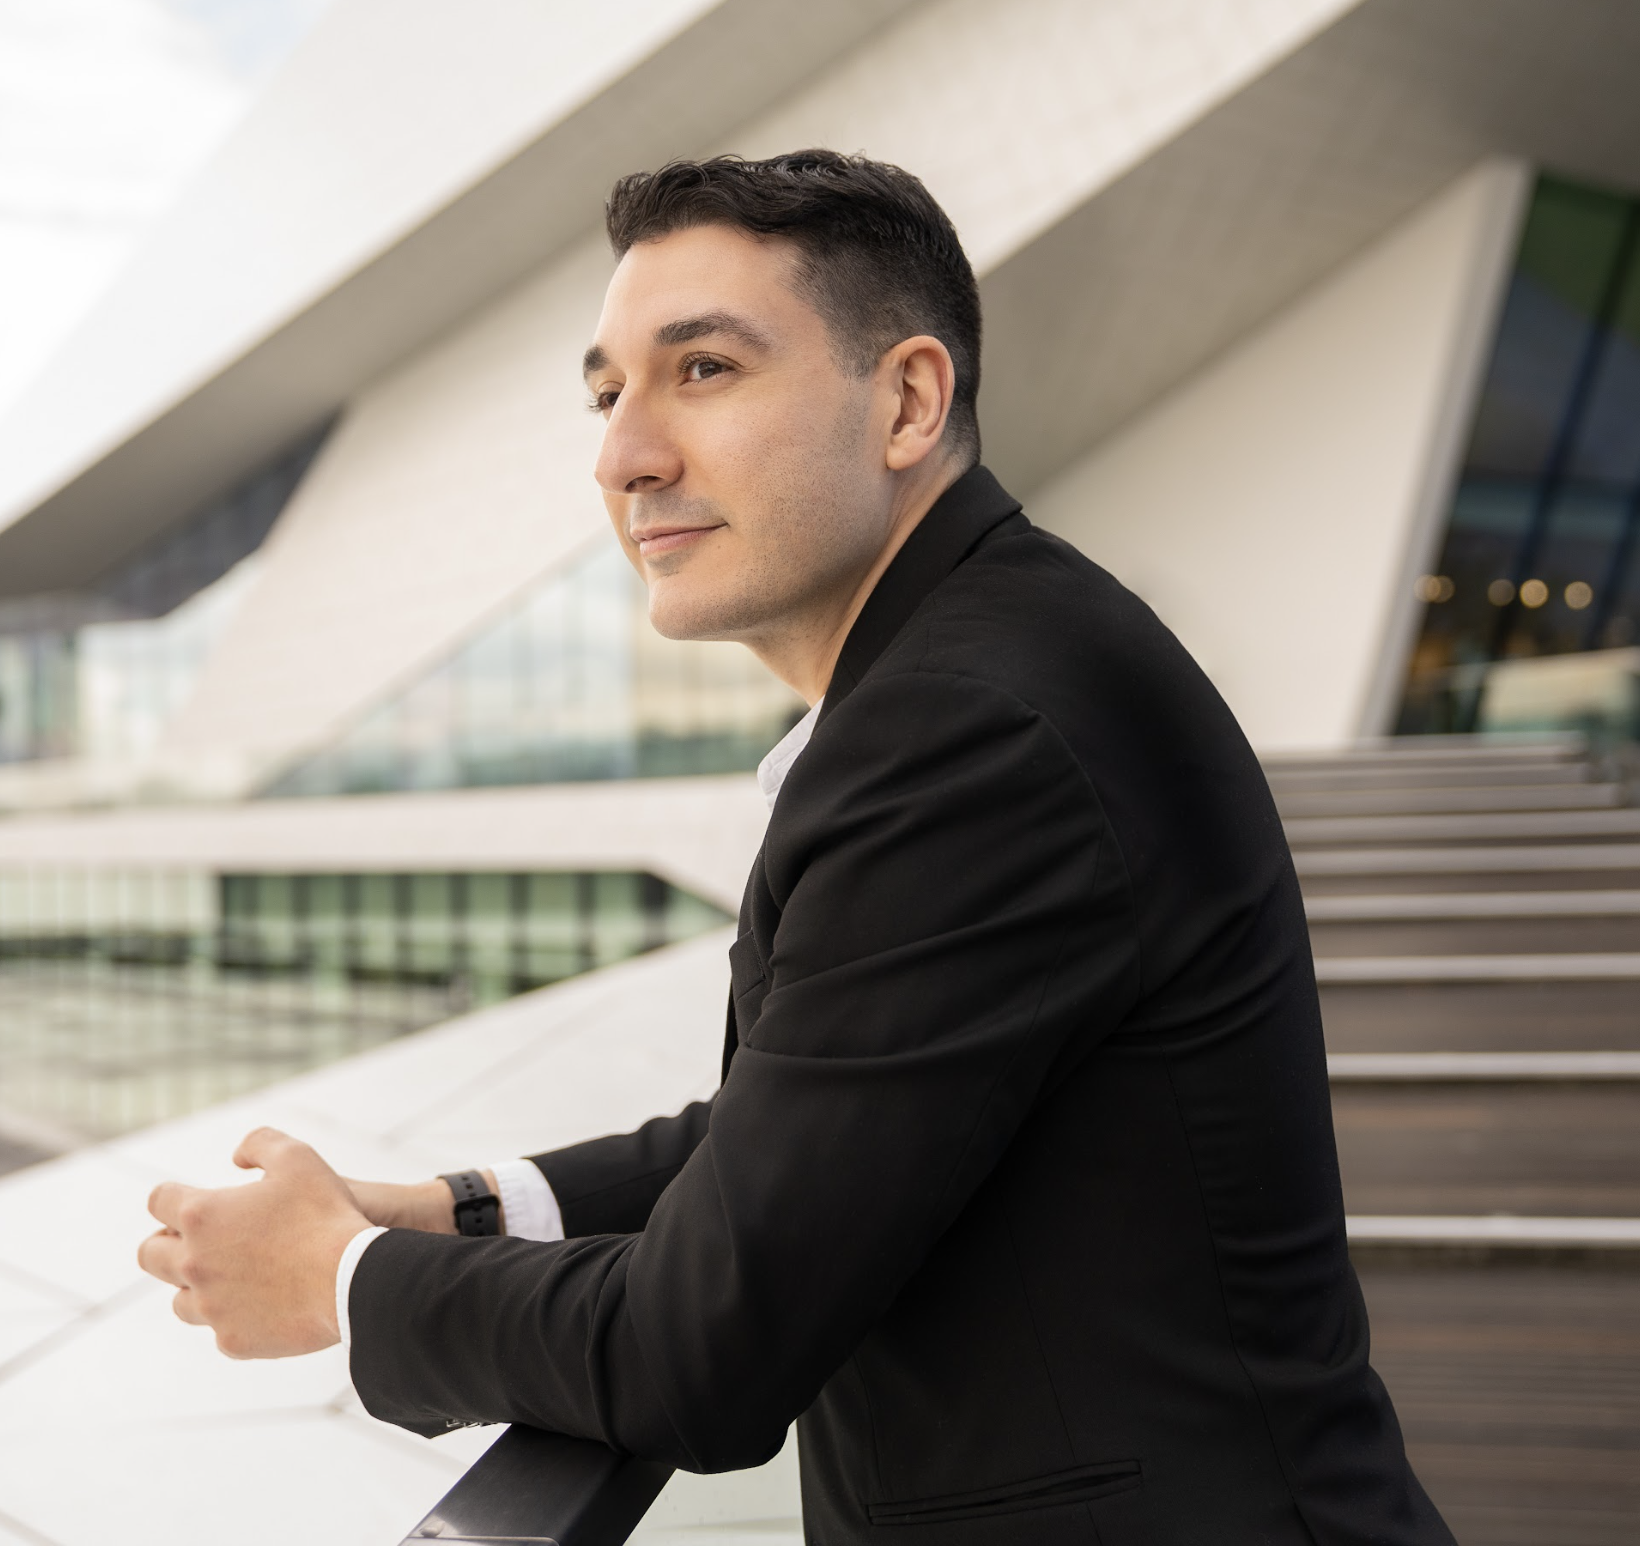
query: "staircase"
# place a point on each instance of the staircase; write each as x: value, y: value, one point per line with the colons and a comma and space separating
x: 1475, y: 914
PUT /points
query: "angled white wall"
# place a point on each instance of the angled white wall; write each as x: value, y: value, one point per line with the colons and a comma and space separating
x: 461, y: 475
x: 1019, y: 111
x: 1276, y: 508
x: 445, y: 488
x: 391, y: 109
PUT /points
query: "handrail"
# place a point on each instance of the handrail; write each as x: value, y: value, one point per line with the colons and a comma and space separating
x: 543, y: 1489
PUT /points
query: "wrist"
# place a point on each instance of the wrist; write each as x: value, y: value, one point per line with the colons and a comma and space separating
x: 435, y: 1207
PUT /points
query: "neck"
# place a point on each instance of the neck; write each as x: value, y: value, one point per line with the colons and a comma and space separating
x: 804, y: 653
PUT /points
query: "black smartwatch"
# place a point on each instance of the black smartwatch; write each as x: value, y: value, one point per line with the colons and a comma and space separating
x: 478, y: 1209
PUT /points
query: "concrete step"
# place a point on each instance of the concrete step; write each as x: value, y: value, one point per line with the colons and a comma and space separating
x: 1515, y: 936
x: 1426, y: 775
x: 1557, y: 1150
x: 1403, y: 750
x: 1435, y: 751
x: 1492, y: 829
x: 1466, y: 800
x: 1517, y: 1382
x: 1389, y: 1014
x: 1469, y: 923
x: 1328, y: 872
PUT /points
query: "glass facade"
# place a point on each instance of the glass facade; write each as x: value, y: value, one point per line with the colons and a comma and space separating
x: 127, y: 997
x: 97, y: 672
x: 1541, y: 556
x: 570, y: 683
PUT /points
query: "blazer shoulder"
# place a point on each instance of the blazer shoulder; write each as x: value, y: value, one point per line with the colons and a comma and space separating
x: 1029, y: 611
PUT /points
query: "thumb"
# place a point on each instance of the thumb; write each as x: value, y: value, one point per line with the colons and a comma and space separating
x: 268, y: 1149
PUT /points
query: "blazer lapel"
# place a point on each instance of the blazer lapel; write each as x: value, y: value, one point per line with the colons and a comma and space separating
x: 960, y: 519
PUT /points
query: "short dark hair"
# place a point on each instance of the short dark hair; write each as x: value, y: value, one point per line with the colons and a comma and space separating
x: 877, y: 257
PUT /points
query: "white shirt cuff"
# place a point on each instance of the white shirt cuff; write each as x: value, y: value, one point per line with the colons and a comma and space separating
x: 345, y: 1269
x: 528, y: 1206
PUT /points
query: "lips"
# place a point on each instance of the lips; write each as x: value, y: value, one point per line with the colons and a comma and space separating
x: 669, y: 539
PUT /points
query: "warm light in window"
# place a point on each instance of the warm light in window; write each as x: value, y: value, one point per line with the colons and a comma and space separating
x: 1533, y: 593
x: 1500, y: 593
x: 1579, y: 595
x: 1433, y: 587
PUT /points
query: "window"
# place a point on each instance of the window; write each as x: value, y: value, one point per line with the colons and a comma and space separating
x: 127, y: 997
x: 570, y: 683
x: 1540, y: 556
x: 97, y: 672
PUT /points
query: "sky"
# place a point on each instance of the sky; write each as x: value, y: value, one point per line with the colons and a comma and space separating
x: 106, y: 108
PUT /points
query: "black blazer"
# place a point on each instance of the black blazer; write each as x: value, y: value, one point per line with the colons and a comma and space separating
x: 1020, y: 1192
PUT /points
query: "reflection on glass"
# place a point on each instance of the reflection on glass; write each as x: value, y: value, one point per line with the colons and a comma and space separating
x: 1541, y: 544
x: 127, y: 997
x: 570, y: 683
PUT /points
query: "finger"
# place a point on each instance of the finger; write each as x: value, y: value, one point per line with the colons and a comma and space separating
x: 266, y: 1147
x: 161, y: 1256
x: 185, y: 1303
x: 168, y: 1200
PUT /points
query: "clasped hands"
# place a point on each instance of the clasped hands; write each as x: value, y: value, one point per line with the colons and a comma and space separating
x: 257, y: 1264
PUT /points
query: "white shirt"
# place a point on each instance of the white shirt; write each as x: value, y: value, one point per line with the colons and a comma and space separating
x: 527, y: 1203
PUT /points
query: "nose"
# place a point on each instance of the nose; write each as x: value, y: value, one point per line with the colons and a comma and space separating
x: 638, y: 456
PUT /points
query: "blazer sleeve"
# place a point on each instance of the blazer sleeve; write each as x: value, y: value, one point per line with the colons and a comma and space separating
x: 608, y: 1186
x: 955, y: 924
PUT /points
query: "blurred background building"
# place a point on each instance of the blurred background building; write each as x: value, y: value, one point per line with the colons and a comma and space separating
x: 328, y: 708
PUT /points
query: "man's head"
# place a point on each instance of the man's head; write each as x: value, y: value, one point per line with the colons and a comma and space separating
x: 787, y: 361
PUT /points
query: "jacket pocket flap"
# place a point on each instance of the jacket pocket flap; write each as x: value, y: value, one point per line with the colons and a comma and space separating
x: 1076, y: 1485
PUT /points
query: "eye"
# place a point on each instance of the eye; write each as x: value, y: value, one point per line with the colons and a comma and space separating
x: 602, y: 402
x: 701, y: 367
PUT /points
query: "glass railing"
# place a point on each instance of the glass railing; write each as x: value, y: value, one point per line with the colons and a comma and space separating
x: 570, y: 683
x: 542, y: 1489
x: 131, y: 996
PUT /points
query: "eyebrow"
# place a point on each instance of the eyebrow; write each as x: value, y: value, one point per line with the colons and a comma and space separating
x: 685, y: 330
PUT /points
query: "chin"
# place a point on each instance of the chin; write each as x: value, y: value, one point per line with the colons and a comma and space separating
x: 675, y: 613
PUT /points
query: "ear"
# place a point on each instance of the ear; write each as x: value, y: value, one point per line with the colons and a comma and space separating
x: 921, y: 380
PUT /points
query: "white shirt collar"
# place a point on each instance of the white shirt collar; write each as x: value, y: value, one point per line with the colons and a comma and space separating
x: 772, y: 770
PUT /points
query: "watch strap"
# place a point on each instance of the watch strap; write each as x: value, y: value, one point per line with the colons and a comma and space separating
x: 477, y: 1208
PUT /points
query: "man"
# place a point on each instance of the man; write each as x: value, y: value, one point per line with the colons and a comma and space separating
x: 1020, y: 1193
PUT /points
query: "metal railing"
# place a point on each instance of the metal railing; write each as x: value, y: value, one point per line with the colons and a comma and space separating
x: 543, y: 1489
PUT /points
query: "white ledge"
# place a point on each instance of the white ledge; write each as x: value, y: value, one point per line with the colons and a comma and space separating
x: 1450, y: 906
x: 1460, y: 861
x: 1361, y: 971
x: 1480, y: 1067
x: 1497, y: 1229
